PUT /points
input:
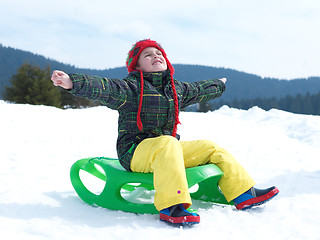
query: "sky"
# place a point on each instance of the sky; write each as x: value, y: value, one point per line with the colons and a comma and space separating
x: 269, y: 38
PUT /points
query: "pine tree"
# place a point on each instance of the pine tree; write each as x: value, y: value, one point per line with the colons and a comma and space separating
x: 315, y: 103
x: 32, y: 85
x: 307, y: 107
x: 296, y: 104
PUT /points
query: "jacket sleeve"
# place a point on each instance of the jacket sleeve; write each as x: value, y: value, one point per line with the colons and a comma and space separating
x: 200, y: 91
x: 114, y: 93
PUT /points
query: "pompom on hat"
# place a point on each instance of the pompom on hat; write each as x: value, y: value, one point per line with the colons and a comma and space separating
x: 131, y: 63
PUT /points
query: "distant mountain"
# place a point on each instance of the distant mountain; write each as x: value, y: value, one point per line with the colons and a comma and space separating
x: 240, y: 85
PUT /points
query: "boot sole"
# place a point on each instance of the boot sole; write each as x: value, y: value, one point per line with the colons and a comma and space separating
x: 257, y: 200
x: 185, y: 220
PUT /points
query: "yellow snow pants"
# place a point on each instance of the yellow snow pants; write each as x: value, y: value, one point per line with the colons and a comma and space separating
x: 167, y: 158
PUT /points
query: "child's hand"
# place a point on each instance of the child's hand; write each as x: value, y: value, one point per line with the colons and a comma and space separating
x: 223, y: 80
x: 61, y: 79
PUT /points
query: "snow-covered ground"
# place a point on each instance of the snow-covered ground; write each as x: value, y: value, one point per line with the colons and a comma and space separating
x: 39, y: 144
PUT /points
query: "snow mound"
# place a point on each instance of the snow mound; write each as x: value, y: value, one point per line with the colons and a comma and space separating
x: 39, y: 144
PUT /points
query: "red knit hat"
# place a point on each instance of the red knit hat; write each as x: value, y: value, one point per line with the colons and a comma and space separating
x: 131, y: 62
x: 134, y: 53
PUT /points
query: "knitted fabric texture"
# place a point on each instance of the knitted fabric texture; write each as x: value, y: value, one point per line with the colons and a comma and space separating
x: 131, y: 62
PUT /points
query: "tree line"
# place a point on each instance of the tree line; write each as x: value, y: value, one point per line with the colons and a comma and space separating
x: 302, y: 104
x: 240, y: 85
x: 32, y: 85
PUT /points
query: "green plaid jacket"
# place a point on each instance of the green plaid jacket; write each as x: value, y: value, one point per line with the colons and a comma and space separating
x: 157, y: 113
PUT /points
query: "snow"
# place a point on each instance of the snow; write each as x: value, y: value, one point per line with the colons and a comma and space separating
x: 39, y: 144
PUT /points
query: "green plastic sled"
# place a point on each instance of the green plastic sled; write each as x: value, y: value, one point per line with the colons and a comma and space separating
x: 117, y: 178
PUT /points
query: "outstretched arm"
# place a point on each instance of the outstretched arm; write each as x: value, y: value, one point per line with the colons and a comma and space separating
x: 60, y: 78
x: 114, y: 93
x: 201, y: 91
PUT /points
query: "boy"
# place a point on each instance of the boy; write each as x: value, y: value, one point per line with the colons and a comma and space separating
x: 148, y: 102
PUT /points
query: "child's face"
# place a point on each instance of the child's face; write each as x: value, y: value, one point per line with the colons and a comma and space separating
x: 151, y: 60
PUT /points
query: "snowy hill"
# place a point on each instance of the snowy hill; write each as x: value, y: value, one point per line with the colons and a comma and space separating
x: 39, y: 144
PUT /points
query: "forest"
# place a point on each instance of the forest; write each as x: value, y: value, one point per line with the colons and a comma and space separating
x: 303, y: 104
x: 243, y: 90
